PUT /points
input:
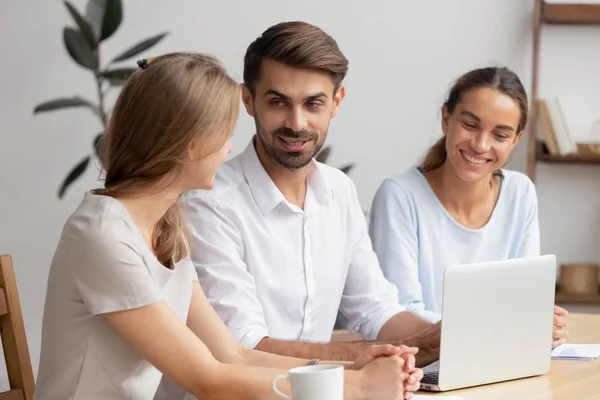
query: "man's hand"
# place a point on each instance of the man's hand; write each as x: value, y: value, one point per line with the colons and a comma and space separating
x: 414, y: 375
x: 559, y: 330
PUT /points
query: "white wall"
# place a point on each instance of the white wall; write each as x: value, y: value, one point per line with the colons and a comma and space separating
x: 403, y: 58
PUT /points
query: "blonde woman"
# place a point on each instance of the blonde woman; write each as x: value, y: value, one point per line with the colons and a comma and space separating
x: 123, y: 305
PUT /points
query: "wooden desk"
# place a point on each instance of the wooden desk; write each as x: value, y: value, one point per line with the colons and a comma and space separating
x: 567, y: 379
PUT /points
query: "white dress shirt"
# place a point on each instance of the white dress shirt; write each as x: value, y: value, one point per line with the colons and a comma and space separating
x: 272, y: 269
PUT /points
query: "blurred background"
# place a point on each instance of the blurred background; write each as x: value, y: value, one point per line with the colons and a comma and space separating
x: 404, y: 56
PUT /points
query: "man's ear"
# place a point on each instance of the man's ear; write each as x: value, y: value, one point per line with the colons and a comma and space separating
x: 248, y: 100
x: 337, y: 100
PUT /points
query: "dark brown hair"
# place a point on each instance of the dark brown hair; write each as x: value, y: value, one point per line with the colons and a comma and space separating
x: 161, y: 108
x: 297, y: 44
x: 498, y: 78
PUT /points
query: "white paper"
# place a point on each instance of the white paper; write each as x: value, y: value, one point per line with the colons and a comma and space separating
x: 570, y: 351
x: 422, y: 397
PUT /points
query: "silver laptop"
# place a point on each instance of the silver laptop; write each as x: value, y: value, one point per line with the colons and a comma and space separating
x: 497, y: 322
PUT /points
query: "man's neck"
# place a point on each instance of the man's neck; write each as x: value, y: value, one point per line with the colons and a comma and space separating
x: 290, y: 182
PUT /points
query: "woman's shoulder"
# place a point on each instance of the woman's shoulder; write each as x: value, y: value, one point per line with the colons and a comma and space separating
x: 408, y: 190
x: 518, y: 190
x: 409, y: 181
x: 515, y: 181
x: 99, y: 221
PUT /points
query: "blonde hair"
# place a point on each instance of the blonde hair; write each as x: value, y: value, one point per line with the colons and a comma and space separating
x: 162, y: 107
x: 498, y: 78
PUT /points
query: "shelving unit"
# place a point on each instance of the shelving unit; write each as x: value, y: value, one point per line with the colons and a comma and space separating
x: 557, y: 14
x: 566, y: 298
x: 572, y: 14
x: 584, y: 155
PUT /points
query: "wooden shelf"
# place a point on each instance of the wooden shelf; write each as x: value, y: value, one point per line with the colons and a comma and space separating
x: 584, y: 155
x: 566, y: 298
x: 545, y: 12
x: 573, y: 14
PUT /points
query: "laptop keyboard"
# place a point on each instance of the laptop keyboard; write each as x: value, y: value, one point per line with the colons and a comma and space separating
x: 431, y: 378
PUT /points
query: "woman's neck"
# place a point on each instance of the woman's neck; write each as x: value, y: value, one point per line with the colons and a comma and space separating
x: 147, y: 207
x: 471, y: 203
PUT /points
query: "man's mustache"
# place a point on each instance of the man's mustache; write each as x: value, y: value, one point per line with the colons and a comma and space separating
x: 292, y: 134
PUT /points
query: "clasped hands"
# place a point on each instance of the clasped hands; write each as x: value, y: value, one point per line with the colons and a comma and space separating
x: 398, y: 357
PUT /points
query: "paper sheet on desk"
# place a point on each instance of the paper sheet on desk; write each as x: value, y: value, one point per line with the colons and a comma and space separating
x: 421, y: 397
x: 576, y: 352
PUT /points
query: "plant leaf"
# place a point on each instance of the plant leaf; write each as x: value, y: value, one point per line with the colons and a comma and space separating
x: 118, y: 76
x: 65, y: 102
x: 323, y: 155
x: 97, y: 143
x: 116, y: 82
x: 113, y: 15
x: 84, y: 26
x: 75, y: 173
x: 139, y: 47
x: 94, y: 12
x: 347, y: 168
x: 79, y: 49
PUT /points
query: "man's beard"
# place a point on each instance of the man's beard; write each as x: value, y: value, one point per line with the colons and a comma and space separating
x: 287, y: 159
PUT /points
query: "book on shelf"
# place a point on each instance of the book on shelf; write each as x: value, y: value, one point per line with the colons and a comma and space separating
x: 545, y: 128
x: 554, y: 128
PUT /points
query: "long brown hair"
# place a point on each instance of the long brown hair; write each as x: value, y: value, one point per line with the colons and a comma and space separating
x: 498, y: 78
x: 161, y: 108
x: 297, y: 44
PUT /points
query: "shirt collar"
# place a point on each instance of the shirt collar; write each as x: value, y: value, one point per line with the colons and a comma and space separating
x: 267, y: 195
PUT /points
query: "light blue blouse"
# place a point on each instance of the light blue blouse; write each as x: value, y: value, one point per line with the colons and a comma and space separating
x: 415, y: 238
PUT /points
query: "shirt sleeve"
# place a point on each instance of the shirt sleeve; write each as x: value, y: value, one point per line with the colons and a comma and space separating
x: 368, y: 300
x: 217, y: 254
x: 190, y: 271
x: 393, y: 230
x: 111, y: 274
x: 529, y: 245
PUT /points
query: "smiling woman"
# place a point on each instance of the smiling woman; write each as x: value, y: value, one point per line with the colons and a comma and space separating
x: 489, y: 90
x: 460, y: 205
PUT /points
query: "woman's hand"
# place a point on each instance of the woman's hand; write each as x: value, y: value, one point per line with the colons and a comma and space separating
x: 407, y: 354
x: 559, y: 330
x: 384, y: 378
x: 383, y: 350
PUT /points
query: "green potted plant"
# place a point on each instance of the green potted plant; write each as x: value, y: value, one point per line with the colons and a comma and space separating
x: 83, y: 42
x: 324, y: 155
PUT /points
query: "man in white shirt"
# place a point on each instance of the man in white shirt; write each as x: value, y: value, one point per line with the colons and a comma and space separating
x: 281, y: 242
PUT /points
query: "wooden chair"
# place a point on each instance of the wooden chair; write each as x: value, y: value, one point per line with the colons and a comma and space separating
x: 14, y: 341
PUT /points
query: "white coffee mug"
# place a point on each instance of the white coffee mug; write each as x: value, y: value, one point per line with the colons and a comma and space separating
x: 314, y: 382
